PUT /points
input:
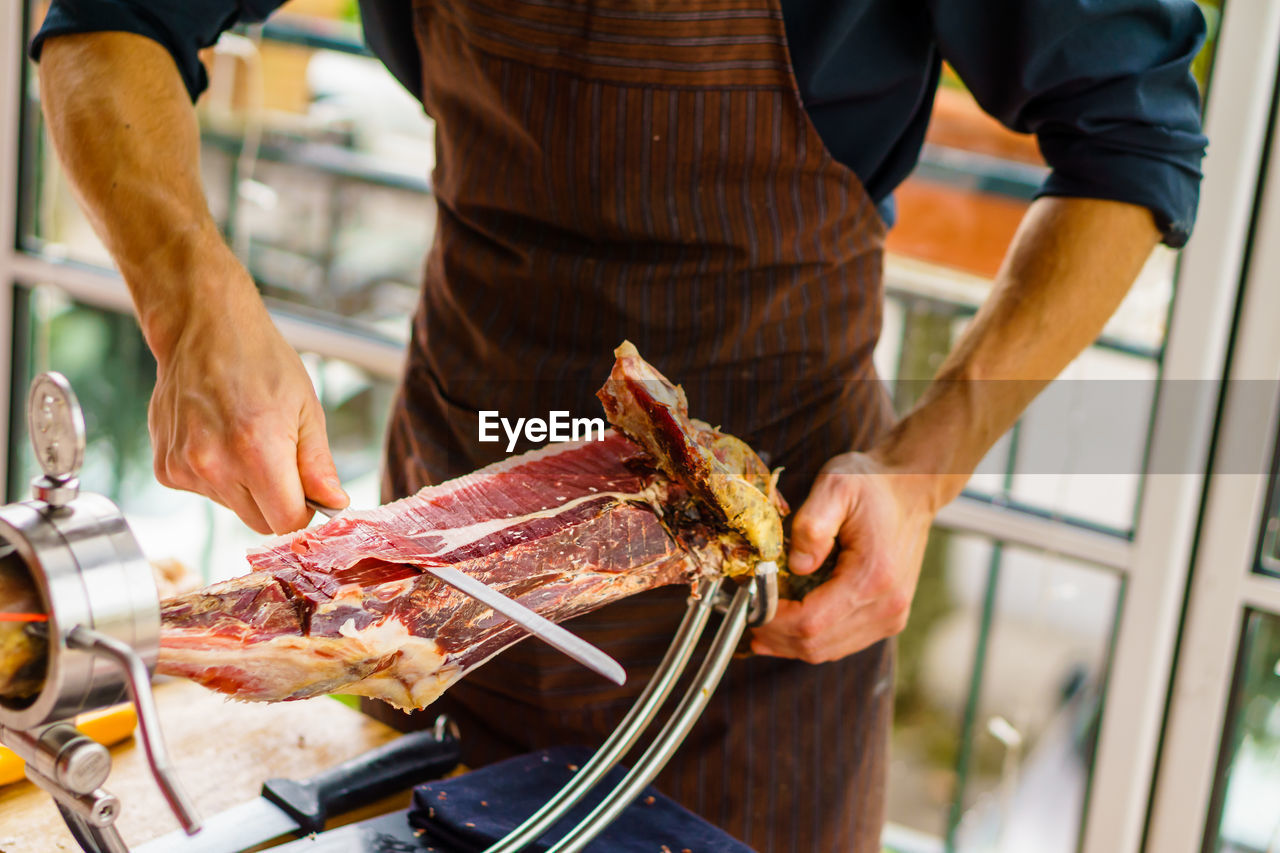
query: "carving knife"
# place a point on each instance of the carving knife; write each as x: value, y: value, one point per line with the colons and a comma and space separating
x: 550, y: 633
x: 293, y: 807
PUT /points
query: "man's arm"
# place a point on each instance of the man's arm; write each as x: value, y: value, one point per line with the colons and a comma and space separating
x: 1067, y: 270
x: 233, y: 415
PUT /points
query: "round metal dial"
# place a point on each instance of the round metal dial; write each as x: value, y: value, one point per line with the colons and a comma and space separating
x: 56, y: 425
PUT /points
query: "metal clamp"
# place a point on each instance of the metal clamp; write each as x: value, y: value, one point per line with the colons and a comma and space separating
x: 102, y: 633
x: 71, y: 768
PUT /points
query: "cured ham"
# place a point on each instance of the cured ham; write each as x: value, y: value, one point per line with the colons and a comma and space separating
x: 22, y: 629
x: 346, y: 607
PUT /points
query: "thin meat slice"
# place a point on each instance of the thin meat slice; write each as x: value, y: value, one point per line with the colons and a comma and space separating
x: 348, y: 607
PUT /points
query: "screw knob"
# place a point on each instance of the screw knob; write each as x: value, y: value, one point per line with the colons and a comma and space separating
x: 56, y: 426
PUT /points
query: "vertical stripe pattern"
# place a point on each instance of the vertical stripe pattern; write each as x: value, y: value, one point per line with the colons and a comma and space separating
x: 644, y: 169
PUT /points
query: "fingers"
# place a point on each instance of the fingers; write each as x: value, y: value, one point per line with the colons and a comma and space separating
x: 239, y: 501
x: 234, y: 416
x: 199, y: 475
x: 797, y: 635
x: 816, y: 524
x: 253, y: 469
x: 315, y: 463
x: 815, y: 642
x: 269, y: 472
x: 861, y: 604
x: 816, y: 630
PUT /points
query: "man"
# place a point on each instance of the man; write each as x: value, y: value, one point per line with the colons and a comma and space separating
x: 711, y: 179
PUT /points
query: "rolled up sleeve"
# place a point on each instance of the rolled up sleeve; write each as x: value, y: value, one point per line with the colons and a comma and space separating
x: 1105, y: 85
x: 183, y: 27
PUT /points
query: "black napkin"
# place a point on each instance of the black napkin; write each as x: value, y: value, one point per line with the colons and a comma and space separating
x: 467, y: 813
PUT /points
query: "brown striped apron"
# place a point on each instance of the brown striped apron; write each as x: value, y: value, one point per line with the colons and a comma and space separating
x: 645, y: 169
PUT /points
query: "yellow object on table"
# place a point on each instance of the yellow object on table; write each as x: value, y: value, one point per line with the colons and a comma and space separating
x: 107, y: 726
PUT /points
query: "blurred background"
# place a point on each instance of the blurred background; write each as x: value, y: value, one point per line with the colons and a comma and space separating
x: 316, y: 163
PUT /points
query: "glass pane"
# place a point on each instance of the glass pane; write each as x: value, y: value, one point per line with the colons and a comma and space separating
x: 49, y: 218
x: 1249, y: 790
x: 108, y: 364
x: 1031, y: 743
x: 996, y: 756
x: 935, y: 660
x: 1082, y: 444
x: 1079, y: 451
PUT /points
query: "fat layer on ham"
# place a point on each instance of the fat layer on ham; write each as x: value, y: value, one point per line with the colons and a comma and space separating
x: 346, y: 606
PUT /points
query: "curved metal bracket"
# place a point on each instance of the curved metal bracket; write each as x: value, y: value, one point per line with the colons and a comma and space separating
x: 673, y: 733
x: 755, y: 597
x: 629, y: 730
x: 139, y: 683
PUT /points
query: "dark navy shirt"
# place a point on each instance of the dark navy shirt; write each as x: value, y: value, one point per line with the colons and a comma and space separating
x: 1104, y: 84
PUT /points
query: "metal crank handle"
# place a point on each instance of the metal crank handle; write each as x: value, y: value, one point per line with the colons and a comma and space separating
x: 97, y: 809
x: 60, y: 753
x: 139, y: 682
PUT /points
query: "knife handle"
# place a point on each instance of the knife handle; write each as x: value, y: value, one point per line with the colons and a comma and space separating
x: 392, y: 767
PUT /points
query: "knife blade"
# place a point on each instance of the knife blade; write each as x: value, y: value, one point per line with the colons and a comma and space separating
x: 299, y: 807
x: 549, y: 632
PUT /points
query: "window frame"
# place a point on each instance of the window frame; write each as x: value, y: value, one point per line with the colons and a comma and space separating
x: 1225, y: 582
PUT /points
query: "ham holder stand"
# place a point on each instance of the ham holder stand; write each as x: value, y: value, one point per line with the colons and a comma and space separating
x: 102, y: 629
x: 751, y: 603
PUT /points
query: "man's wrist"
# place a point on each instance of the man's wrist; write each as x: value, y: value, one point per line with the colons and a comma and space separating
x: 925, y: 452
x: 191, y: 281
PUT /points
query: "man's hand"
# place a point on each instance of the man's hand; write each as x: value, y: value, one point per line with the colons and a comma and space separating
x: 880, y: 521
x: 234, y: 417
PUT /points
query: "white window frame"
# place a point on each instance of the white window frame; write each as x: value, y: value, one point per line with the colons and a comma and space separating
x: 1223, y: 584
x: 1237, y: 123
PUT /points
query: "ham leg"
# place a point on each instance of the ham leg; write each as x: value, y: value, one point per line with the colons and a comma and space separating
x: 343, y: 607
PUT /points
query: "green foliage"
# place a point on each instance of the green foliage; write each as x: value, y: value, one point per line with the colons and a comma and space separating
x: 1203, y: 63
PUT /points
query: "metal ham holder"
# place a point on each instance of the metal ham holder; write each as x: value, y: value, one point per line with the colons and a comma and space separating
x: 102, y: 628
x: 748, y: 604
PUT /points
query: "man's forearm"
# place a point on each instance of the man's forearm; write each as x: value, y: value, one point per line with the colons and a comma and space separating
x: 1068, y: 268
x: 126, y: 134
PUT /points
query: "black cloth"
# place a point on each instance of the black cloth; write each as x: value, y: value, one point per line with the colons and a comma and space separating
x: 468, y: 813
x: 1106, y: 87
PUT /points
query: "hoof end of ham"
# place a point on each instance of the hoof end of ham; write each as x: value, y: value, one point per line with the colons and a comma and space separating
x: 347, y: 606
x: 721, y: 470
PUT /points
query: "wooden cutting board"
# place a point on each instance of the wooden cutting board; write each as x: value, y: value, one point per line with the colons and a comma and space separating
x: 222, y: 750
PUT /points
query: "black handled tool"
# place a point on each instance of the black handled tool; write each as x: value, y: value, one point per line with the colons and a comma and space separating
x: 299, y: 807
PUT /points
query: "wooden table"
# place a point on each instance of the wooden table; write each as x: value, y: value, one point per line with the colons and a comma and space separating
x: 223, y: 751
